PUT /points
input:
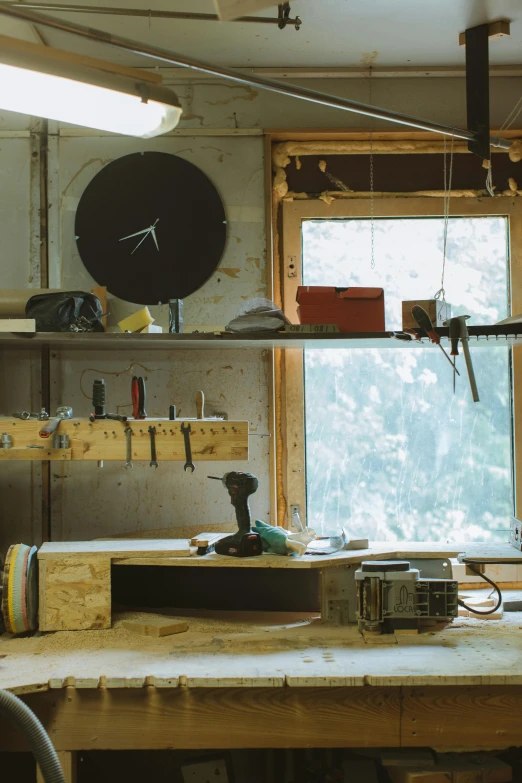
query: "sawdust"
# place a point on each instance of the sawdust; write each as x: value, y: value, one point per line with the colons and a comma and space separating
x: 203, y: 627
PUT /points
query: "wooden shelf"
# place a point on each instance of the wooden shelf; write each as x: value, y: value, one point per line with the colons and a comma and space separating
x: 480, y: 336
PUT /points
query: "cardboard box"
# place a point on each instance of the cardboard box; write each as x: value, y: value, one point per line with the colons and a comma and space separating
x: 351, y: 309
x: 438, y: 312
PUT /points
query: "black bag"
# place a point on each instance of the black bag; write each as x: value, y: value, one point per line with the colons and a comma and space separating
x: 66, y: 311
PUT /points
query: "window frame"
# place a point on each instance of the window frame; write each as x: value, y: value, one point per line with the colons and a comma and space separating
x: 291, y: 472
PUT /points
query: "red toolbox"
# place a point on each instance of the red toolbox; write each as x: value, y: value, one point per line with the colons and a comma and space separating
x: 350, y: 309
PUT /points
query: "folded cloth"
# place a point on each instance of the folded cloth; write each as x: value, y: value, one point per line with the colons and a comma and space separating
x: 258, y: 315
x: 278, y: 541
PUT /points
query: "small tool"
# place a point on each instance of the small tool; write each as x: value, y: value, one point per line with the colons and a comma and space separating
x: 139, y: 394
x: 153, y: 459
x: 172, y: 413
x: 25, y: 415
x: 200, y: 405
x: 189, y: 465
x: 61, y: 441
x: 424, y: 322
x: 63, y: 412
x: 99, y: 402
x: 128, y: 437
x: 458, y: 329
x: 246, y: 542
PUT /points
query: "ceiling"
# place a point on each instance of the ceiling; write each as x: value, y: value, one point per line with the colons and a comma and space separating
x: 335, y: 33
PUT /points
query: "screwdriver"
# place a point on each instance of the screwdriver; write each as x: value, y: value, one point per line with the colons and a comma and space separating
x: 423, y: 320
x: 138, y: 397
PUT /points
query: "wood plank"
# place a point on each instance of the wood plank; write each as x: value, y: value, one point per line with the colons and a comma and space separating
x: 183, y: 718
x: 449, y: 717
x: 17, y: 325
x: 155, y: 627
x: 32, y: 455
x: 75, y: 594
x: 211, y: 440
x: 170, y: 547
x: 363, y: 134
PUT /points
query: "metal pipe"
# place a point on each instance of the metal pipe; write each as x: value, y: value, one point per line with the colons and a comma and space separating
x: 145, y: 12
x: 291, y: 91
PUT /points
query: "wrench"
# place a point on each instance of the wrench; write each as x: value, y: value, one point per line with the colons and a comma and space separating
x: 128, y: 435
x: 189, y: 465
x: 153, y: 460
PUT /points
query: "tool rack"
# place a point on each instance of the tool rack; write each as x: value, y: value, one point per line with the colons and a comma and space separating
x: 105, y: 439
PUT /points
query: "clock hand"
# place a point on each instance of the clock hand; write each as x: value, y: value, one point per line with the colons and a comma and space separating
x: 143, y: 240
x: 154, y: 238
x: 137, y: 234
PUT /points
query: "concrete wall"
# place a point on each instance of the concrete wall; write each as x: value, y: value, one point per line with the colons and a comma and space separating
x: 87, y: 501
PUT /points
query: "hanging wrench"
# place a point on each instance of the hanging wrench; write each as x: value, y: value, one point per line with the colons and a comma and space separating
x: 128, y: 435
x: 189, y: 465
x: 153, y: 460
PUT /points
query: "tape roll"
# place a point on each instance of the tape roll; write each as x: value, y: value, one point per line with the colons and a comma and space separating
x: 20, y: 589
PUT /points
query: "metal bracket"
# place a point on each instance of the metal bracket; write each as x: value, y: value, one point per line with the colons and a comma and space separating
x: 477, y: 89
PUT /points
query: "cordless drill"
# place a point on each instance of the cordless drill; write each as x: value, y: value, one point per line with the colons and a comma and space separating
x: 246, y: 542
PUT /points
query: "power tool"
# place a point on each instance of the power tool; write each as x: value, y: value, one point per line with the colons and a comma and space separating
x: 246, y: 542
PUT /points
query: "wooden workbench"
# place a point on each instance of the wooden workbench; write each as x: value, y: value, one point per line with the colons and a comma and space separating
x: 247, y: 680
x: 270, y: 681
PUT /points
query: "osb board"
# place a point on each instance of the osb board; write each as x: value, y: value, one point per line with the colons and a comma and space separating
x: 115, y: 548
x: 106, y: 439
x: 176, y: 552
x: 74, y: 594
x: 239, y: 649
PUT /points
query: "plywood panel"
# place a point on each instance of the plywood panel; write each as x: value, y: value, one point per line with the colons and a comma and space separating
x: 235, y: 166
x: 75, y: 594
x: 90, y: 502
x: 110, y: 549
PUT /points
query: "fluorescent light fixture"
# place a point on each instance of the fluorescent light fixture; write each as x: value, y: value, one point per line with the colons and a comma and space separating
x: 45, y: 82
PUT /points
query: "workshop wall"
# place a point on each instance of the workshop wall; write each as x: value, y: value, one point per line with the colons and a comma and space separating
x: 87, y: 501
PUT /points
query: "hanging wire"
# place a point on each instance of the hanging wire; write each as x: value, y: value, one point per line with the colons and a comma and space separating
x: 372, y: 198
x: 448, y: 176
x: 513, y: 115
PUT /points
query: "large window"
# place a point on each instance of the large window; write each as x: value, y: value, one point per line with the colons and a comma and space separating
x: 389, y: 451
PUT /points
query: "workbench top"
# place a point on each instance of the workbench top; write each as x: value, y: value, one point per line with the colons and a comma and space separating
x: 176, y: 552
x: 267, y: 650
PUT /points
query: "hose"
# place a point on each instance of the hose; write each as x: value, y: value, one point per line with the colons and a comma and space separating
x: 37, y: 738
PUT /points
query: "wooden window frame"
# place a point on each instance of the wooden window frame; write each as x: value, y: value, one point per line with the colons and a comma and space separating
x: 291, y: 470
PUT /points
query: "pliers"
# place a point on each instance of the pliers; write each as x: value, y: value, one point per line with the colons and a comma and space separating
x: 138, y: 398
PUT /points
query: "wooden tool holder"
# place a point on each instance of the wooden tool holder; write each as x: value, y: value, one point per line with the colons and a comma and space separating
x: 105, y: 439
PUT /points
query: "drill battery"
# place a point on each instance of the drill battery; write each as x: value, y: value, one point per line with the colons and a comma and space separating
x: 240, y: 545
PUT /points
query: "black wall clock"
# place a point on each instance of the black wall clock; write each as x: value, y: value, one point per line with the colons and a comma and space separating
x: 151, y: 227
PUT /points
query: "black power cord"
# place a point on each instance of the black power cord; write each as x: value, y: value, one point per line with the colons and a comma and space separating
x: 489, y: 581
